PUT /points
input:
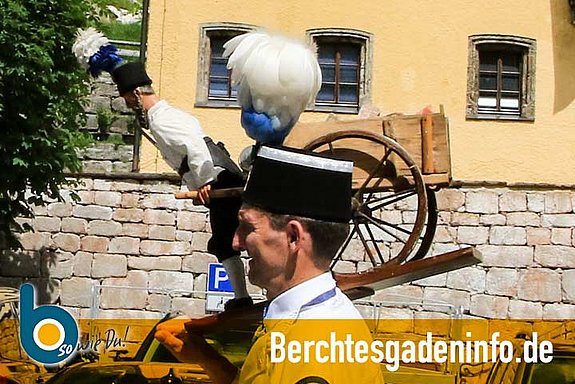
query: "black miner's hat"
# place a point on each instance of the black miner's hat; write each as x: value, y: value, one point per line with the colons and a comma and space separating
x: 130, y: 76
x: 293, y: 182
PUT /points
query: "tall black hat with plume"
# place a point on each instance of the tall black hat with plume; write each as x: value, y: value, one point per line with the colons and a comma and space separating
x: 96, y: 54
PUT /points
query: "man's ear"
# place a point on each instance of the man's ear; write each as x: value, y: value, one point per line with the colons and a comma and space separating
x: 294, y: 231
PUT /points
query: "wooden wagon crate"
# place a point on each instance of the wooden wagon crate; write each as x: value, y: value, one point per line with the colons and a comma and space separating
x: 424, y: 137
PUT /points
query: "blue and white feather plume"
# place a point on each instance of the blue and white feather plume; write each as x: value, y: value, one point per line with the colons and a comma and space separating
x: 277, y: 77
x: 95, y: 53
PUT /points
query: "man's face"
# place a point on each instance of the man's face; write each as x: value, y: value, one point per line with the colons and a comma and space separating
x: 131, y: 99
x: 267, y: 247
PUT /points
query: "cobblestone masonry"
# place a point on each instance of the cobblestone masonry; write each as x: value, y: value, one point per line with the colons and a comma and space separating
x: 135, y: 234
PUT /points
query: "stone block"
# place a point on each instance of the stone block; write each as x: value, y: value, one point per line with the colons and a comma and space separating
x: 76, y: 292
x: 104, y: 265
x: 469, y: 279
x: 561, y: 236
x: 74, y: 225
x: 472, y: 235
x: 95, y: 244
x: 191, y: 221
x: 177, y: 282
x: 555, y: 256
x: 536, y: 202
x: 47, y: 224
x: 493, y: 219
x: 450, y: 199
x: 445, y: 234
x: 35, y: 241
x: 102, y: 185
x: 513, y: 201
x: 184, y: 236
x: 97, y: 166
x: 108, y: 198
x: 200, y: 241
x: 523, y: 219
x: 482, y: 201
x: 92, y: 212
x: 130, y: 200
x: 160, y: 201
x: 464, y: 218
x: 124, y: 245
x: 433, y: 281
x: 491, y: 307
x: 86, y: 197
x: 525, y: 310
x: 157, y: 247
x: 190, y: 306
x: 538, y: 236
x: 135, y: 230
x: 565, y: 220
x: 568, y: 285
x: 165, y: 263
x: 162, y: 232
x: 539, y: 285
x: 445, y: 299
x: 557, y: 311
x: 67, y: 241
x: 134, y: 296
x: 400, y: 295
x: 60, y: 265
x: 159, y: 303
x: 198, y: 262
x: 82, y: 264
x: 558, y: 202
x: 104, y: 228
x: 502, y: 281
x: 134, y: 215
x: 60, y: 209
x: 152, y: 216
x: 507, y: 236
x: 506, y: 256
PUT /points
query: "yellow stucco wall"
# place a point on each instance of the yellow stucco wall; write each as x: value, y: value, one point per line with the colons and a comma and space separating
x: 420, y: 55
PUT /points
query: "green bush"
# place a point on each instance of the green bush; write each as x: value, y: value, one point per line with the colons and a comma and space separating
x: 42, y: 90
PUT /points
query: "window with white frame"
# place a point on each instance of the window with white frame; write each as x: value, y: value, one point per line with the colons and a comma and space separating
x: 345, y: 59
x: 214, y: 87
x: 501, y: 78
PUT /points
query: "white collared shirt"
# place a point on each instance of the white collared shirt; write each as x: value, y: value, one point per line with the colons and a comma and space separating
x: 178, y: 134
x: 289, y: 304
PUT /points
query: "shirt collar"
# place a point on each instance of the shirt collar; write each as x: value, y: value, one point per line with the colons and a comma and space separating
x: 289, y: 303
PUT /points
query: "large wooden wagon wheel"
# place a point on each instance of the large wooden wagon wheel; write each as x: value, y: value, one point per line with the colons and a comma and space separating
x: 385, y: 179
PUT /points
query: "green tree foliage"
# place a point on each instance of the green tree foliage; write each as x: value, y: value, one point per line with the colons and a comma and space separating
x: 42, y: 90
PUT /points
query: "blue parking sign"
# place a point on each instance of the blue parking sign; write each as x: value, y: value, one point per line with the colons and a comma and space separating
x: 218, y: 280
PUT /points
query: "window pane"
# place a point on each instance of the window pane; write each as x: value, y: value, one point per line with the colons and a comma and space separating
x: 348, y: 94
x: 510, y: 83
x: 511, y: 62
x: 349, y: 54
x: 218, y: 87
x: 487, y: 102
x: 488, y: 81
x: 326, y: 54
x: 218, y: 68
x: 348, y: 74
x: 509, y: 103
x: 328, y: 73
x: 326, y: 93
x: 488, y: 61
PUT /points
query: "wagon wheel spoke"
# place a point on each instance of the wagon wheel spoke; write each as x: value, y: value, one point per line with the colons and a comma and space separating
x: 373, y: 240
x: 381, y: 224
x: 339, y: 255
x: 367, y: 248
x: 372, y: 175
x: 390, y: 199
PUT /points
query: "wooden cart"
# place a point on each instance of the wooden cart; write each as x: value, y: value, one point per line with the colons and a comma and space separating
x: 399, y: 163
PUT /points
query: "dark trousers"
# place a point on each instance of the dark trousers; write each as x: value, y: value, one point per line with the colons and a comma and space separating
x: 224, y: 216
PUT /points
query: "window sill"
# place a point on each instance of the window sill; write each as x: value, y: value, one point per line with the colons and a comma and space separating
x: 335, y: 108
x: 500, y: 117
x: 217, y: 104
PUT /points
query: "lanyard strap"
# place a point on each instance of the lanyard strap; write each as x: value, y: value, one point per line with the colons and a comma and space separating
x: 320, y: 299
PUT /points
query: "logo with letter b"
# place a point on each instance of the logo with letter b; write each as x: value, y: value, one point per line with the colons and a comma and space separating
x: 48, y: 333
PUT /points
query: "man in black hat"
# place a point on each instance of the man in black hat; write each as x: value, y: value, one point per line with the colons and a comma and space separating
x: 202, y: 164
x: 295, y: 216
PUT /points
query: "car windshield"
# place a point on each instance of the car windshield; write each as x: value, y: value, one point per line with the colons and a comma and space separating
x: 559, y: 371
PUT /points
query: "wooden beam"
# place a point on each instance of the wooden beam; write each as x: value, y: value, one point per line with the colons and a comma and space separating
x: 355, y: 286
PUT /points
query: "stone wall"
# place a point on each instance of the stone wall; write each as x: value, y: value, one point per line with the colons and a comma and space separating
x: 134, y: 233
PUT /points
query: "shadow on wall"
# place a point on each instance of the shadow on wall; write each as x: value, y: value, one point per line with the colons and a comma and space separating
x: 18, y: 267
x: 563, y: 54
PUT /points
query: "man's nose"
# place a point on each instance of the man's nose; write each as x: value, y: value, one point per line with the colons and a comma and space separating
x: 237, y: 242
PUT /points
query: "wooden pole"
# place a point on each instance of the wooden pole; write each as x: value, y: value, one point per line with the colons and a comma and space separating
x: 214, y: 194
x: 427, y: 144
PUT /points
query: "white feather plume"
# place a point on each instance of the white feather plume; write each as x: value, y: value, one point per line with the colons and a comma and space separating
x: 87, y: 43
x: 275, y: 74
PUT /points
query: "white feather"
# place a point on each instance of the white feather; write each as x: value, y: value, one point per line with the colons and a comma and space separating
x: 87, y: 43
x: 275, y: 74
